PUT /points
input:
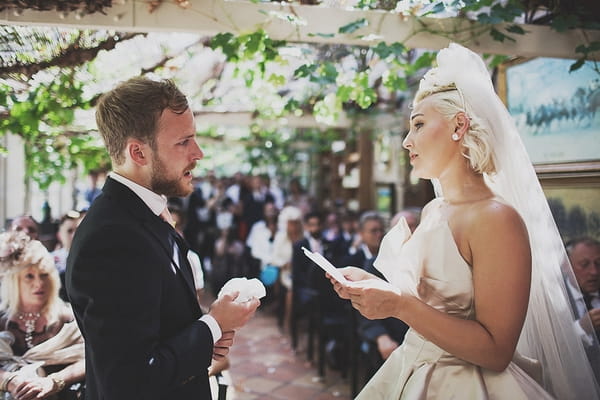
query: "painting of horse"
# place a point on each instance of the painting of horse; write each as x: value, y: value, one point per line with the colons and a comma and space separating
x: 556, y: 111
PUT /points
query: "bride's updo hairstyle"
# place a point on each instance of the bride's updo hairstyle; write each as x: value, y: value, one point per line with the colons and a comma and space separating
x: 447, y: 100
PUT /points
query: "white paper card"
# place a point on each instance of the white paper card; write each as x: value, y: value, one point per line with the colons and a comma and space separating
x: 326, y: 266
x: 247, y: 288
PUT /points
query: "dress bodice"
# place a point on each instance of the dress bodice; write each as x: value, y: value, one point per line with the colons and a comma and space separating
x: 428, y: 264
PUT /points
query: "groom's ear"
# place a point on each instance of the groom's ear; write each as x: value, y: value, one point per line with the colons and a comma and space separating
x: 137, y: 151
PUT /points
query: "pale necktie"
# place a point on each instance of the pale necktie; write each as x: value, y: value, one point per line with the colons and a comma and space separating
x: 167, y: 217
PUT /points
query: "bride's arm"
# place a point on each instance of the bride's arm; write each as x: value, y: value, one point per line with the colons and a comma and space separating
x: 501, y: 259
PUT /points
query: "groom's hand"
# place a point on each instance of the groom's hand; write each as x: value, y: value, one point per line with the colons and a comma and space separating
x: 231, y: 315
x: 221, y: 347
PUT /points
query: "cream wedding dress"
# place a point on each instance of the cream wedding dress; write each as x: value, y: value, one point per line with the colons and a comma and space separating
x: 429, y: 265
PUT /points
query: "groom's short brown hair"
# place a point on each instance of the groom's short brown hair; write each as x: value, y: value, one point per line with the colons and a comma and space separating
x: 133, y: 109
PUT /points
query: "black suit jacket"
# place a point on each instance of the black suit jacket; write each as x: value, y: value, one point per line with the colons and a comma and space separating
x: 137, y: 311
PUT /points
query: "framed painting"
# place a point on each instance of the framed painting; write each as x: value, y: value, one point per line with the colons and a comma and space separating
x: 576, y: 210
x: 556, y: 111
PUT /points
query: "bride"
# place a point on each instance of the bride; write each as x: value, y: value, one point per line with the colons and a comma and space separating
x: 480, y: 280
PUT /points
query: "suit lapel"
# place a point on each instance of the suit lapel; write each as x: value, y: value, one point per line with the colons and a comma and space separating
x: 159, y: 229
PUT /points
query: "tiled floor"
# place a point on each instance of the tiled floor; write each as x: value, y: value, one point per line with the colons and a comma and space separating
x: 263, y: 366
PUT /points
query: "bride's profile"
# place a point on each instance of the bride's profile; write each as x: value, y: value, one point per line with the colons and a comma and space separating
x: 480, y: 282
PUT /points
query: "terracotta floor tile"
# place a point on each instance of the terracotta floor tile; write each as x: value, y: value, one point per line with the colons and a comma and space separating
x: 293, y: 392
x: 264, y: 366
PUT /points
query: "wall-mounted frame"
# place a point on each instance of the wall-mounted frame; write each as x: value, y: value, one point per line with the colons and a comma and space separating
x: 558, y: 116
x: 557, y: 113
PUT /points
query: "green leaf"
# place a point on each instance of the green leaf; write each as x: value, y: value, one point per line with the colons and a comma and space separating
x: 497, y: 60
x: 562, y: 23
x: 582, y: 48
x: 228, y: 44
x: 516, y: 29
x: 329, y: 72
x: 576, y: 65
x: 394, y: 82
x: 249, y: 77
x: 438, y: 8
x: 354, y: 26
x: 254, y: 43
x: 499, y: 36
x: 367, y: 4
x: 305, y: 70
x: 366, y: 97
x: 276, y: 79
x: 384, y: 51
x: 488, y: 19
x: 323, y: 35
x: 424, y: 60
x: 344, y: 93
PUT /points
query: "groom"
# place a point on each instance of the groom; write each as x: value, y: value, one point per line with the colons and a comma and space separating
x: 128, y: 277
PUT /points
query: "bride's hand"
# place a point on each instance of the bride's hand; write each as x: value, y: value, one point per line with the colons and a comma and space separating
x: 352, y: 274
x: 374, y: 298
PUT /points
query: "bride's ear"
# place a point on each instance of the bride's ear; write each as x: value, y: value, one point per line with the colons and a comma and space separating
x: 461, y: 125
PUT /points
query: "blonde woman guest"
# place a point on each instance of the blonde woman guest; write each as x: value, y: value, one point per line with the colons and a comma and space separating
x: 41, y: 347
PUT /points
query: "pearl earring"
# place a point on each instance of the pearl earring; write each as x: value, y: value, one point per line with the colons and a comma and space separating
x: 455, y: 137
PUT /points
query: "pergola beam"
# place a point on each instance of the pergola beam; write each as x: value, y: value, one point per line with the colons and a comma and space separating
x: 305, y: 23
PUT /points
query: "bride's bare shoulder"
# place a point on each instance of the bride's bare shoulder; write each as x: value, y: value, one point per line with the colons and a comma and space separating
x: 495, y: 216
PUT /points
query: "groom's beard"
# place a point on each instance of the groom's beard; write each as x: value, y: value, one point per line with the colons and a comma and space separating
x: 161, y: 183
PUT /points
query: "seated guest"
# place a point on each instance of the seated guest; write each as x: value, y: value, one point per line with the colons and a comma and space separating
x: 41, y: 347
x: 370, y: 232
x: 347, y: 237
x: 379, y: 337
x: 412, y: 215
x: 66, y: 230
x: 584, y: 255
x: 27, y: 224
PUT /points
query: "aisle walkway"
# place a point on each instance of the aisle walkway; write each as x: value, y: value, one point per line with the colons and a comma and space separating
x: 263, y: 366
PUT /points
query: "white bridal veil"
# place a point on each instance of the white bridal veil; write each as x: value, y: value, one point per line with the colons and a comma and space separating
x: 549, y: 333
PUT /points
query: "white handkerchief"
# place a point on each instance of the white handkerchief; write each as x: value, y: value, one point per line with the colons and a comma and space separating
x: 326, y: 266
x: 248, y: 288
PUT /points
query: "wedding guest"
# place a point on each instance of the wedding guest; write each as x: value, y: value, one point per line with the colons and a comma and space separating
x: 27, y: 224
x: 41, y: 348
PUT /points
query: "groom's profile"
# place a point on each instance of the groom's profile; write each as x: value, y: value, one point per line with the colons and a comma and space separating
x: 128, y: 277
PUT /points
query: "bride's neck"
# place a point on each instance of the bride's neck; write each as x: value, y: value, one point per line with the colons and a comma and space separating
x: 465, y: 189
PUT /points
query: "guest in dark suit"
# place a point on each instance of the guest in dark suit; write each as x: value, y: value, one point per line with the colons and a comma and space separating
x: 584, y: 255
x: 347, y: 237
x: 366, y: 245
x: 128, y: 279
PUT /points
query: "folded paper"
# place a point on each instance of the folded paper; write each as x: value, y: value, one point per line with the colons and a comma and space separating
x: 247, y: 288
